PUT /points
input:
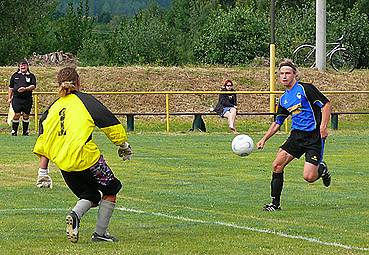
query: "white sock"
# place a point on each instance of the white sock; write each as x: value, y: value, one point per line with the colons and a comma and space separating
x: 105, y: 212
x: 82, y: 206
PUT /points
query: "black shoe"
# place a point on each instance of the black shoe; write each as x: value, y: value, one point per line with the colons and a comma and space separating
x: 271, y: 207
x: 326, y: 175
x: 26, y: 133
x: 14, y: 133
x: 104, y: 238
x: 72, y: 227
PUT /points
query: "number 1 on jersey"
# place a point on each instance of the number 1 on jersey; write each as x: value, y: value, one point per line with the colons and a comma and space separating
x: 62, y: 118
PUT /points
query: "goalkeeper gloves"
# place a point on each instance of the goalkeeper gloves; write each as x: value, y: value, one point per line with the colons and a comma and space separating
x: 125, y: 151
x: 43, y: 179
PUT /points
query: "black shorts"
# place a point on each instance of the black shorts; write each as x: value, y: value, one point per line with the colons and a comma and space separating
x: 88, y: 184
x: 300, y: 142
x: 22, y: 105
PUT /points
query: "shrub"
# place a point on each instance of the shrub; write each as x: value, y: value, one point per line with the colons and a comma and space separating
x: 234, y: 37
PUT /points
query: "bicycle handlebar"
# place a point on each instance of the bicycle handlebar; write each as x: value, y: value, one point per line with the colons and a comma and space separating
x: 340, y: 39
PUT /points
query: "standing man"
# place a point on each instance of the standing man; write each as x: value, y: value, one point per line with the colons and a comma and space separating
x: 65, y: 137
x: 310, y: 111
x: 22, y: 83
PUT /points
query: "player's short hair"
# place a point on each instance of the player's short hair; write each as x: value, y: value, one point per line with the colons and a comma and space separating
x: 287, y: 62
x: 68, y: 79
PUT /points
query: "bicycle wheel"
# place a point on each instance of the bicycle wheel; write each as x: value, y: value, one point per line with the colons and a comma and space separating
x: 341, y: 61
x: 304, y: 56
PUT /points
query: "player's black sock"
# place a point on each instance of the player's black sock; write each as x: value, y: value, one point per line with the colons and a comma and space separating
x: 15, y: 125
x: 276, y: 188
x: 25, y: 125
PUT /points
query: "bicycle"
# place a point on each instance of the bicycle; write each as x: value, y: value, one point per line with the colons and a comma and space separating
x: 339, y: 57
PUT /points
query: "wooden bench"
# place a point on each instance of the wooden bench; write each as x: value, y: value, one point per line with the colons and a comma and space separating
x: 198, y: 116
x: 198, y: 122
x: 334, y: 118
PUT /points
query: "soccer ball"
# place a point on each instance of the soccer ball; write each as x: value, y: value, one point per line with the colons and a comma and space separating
x: 242, y: 145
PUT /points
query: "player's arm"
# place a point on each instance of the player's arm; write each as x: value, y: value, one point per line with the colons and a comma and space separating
x: 43, y: 178
x: 108, y: 123
x: 104, y: 119
x: 319, y: 99
x: 10, y: 95
x: 274, y: 127
x: 30, y: 87
x: 10, y: 90
x: 326, y: 114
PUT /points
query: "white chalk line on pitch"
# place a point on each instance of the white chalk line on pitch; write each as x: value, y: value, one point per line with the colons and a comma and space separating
x: 231, y: 225
x: 219, y: 223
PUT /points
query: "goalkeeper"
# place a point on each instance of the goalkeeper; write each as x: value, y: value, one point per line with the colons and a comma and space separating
x: 65, y: 138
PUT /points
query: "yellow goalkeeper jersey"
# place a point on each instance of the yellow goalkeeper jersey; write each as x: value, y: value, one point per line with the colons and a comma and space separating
x: 65, y: 135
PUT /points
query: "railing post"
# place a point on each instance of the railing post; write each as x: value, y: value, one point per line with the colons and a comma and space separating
x: 167, y: 110
x: 130, y: 122
x: 36, y: 113
x: 334, y: 121
x: 198, y: 123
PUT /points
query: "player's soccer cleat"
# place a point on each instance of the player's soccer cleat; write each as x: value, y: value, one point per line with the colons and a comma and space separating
x: 26, y: 133
x: 72, y: 227
x: 326, y: 175
x: 271, y: 207
x: 14, y: 133
x: 104, y: 238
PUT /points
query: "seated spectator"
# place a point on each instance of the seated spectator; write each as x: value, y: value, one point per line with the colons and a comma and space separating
x: 227, y: 105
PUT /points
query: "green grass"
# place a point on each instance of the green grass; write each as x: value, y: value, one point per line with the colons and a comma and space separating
x: 187, y: 193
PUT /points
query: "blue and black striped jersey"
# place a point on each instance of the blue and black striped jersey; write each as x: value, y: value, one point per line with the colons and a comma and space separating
x: 303, y: 102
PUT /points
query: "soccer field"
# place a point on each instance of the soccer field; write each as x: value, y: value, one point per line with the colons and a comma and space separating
x: 189, y: 194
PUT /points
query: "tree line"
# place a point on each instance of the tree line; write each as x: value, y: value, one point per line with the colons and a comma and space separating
x: 106, y: 9
x: 183, y: 32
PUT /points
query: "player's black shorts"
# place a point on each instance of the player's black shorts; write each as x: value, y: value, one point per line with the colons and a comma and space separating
x: 300, y: 142
x: 88, y: 184
x: 22, y: 104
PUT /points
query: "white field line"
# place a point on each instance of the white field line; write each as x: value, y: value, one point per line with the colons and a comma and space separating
x: 231, y: 225
x: 224, y: 224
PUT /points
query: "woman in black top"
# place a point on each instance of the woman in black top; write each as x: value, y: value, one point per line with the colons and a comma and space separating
x: 227, y: 105
x: 22, y: 83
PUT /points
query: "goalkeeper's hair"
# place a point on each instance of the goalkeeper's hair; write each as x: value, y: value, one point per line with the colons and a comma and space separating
x: 68, y: 80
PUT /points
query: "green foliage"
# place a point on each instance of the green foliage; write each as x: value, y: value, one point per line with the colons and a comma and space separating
x: 186, y: 19
x: 74, y: 27
x: 143, y: 39
x: 23, y: 27
x: 179, y: 32
x: 94, y: 51
x: 104, y: 17
x: 234, y: 37
x: 294, y: 27
x: 356, y: 27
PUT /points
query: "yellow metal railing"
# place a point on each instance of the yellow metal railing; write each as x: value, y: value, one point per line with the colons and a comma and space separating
x: 167, y: 93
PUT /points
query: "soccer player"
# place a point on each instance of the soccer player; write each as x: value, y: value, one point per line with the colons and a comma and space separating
x: 22, y: 83
x: 310, y: 111
x: 65, y: 137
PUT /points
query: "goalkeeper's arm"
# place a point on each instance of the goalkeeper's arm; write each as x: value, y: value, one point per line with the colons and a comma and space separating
x: 43, y: 178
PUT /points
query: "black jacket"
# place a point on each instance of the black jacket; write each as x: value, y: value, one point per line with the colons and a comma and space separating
x: 225, y: 100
